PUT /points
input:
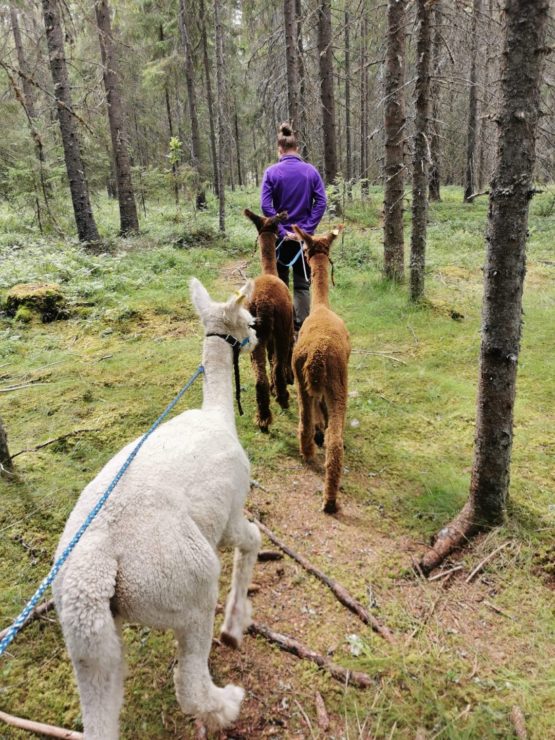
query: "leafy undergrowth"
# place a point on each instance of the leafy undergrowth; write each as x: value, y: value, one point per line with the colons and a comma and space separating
x: 466, y: 653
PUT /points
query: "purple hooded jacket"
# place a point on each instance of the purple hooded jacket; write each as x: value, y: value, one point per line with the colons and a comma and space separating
x: 295, y: 186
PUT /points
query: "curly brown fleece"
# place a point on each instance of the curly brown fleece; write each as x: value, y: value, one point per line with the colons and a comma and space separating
x: 272, y: 307
x: 320, y: 362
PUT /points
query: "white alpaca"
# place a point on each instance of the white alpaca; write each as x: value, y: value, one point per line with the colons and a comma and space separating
x: 150, y: 555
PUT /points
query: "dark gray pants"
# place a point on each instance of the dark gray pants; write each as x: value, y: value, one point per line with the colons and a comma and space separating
x: 301, y: 284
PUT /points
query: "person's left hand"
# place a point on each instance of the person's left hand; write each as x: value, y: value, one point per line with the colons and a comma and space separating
x: 292, y: 236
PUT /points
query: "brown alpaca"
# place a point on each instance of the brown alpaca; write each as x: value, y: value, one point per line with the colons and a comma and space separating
x: 272, y: 306
x: 320, y: 361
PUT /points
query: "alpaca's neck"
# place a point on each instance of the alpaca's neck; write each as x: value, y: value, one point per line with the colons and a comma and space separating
x: 217, y: 358
x: 320, y: 285
x: 267, y: 243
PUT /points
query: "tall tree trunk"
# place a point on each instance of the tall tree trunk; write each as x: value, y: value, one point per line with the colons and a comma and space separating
x: 192, y: 99
x: 129, y: 220
x: 420, y: 153
x: 220, y: 71
x: 510, y: 194
x: 6, y: 465
x: 325, y: 51
x: 348, y: 144
x: 364, y: 160
x: 435, y: 90
x: 209, y: 95
x: 292, y: 63
x: 469, y: 184
x: 483, y: 123
x: 84, y: 219
x: 237, y: 146
x: 302, y: 80
x: 394, y: 125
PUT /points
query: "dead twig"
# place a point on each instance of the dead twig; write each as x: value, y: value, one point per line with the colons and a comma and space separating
x: 498, y: 610
x: 519, y: 723
x: 39, y: 728
x: 321, y: 713
x: 445, y: 573
x: 290, y: 645
x: 379, y: 354
x: 52, y: 441
x: 10, y: 388
x: 41, y: 609
x: 476, y: 195
x: 486, y: 560
x: 339, y: 591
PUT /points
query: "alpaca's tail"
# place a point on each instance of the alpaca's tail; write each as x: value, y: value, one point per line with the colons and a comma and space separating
x: 315, y: 374
x: 93, y: 638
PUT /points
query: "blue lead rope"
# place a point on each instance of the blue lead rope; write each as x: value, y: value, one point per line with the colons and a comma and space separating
x: 31, y: 604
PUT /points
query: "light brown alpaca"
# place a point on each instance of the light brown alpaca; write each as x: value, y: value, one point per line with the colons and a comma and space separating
x: 272, y: 306
x: 320, y: 361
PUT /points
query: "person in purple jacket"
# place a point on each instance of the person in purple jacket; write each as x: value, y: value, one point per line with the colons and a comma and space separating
x: 295, y: 186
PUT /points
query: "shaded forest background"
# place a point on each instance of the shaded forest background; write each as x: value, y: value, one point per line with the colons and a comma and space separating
x: 166, y: 58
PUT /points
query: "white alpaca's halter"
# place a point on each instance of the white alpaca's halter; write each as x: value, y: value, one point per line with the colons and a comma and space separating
x: 236, y: 345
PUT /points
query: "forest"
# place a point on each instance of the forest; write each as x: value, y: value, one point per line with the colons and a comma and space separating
x: 401, y: 480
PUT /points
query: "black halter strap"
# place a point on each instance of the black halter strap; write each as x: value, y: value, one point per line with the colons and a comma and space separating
x: 236, y: 346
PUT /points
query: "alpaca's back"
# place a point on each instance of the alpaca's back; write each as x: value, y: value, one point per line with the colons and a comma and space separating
x: 272, y: 307
x: 322, y: 352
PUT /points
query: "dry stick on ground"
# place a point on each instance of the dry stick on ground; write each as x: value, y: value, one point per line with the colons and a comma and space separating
x: 322, y: 713
x: 41, y: 609
x: 445, y: 573
x: 337, y: 589
x: 39, y: 728
x: 290, y: 645
x: 519, y: 723
x: 486, y: 560
x: 52, y: 441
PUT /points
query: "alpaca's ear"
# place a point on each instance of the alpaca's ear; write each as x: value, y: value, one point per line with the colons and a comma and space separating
x: 245, y: 293
x: 281, y: 216
x: 335, y: 232
x: 303, y: 236
x: 199, y: 296
x: 257, y: 220
x: 238, y: 299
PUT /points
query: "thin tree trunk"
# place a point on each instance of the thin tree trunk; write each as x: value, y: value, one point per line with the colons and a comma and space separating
x: 292, y: 63
x: 483, y: 127
x: 364, y: 161
x: 84, y: 219
x: 192, y: 99
x: 220, y: 71
x: 238, y: 146
x: 325, y: 51
x: 6, y: 465
x: 303, y: 143
x: 469, y: 183
x: 394, y: 125
x: 435, y: 90
x: 348, y: 145
x: 209, y: 95
x: 510, y: 194
x: 129, y: 219
x: 420, y: 154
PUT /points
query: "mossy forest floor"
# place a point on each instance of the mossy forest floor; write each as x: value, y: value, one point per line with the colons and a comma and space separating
x: 466, y: 653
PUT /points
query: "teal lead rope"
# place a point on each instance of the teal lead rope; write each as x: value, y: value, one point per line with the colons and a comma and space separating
x: 32, y: 603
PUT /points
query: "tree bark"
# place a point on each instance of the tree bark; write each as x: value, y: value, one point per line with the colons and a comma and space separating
x: 420, y: 154
x: 435, y: 90
x: 364, y: 103
x: 84, y: 219
x: 325, y: 51
x: 303, y: 142
x: 129, y: 219
x: 209, y: 95
x: 192, y: 100
x: 292, y: 63
x: 469, y: 182
x: 394, y: 125
x: 348, y: 144
x: 510, y: 194
x: 220, y: 71
x: 238, y: 146
x: 5, y: 459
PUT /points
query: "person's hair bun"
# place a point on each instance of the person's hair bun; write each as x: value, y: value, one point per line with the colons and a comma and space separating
x: 285, y: 129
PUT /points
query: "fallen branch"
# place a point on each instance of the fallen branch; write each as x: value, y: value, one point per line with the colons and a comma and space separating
x: 322, y: 713
x: 379, y: 354
x: 10, y: 388
x: 339, y: 591
x: 498, y: 610
x: 486, y: 560
x: 39, y: 728
x: 519, y: 723
x: 41, y: 609
x: 290, y: 645
x: 52, y: 441
x: 445, y: 573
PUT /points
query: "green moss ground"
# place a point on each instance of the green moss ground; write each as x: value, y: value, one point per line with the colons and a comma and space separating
x: 131, y: 342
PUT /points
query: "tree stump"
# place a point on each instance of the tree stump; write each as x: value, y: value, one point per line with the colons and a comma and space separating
x: 46, y: 299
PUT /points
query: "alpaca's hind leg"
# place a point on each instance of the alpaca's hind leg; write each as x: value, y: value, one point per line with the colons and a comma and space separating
x: 196, y: 693
x: 264, y: 415
x: 246, y: 538
x: 306, y: 422
x: 334, y: 454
